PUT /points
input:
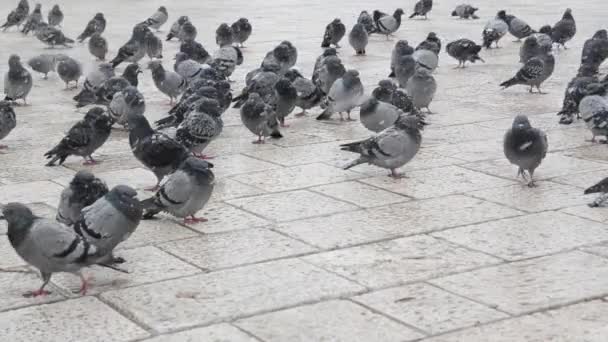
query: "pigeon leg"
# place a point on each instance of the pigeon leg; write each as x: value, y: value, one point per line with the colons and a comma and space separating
x: 348, y: 118
x: 154, y: 188
x: 259, y: 141
x: 46, y: 76
x: 337, y: 46
x: 522, y: 173
x: 193, y: 220
x: 84, y: 284
x: 303, y: 113
x: 282, y: 123
x: 46, y: 277
x: 396, y: 175
x: 341, y: 116
x: 530, y: 90
x: 90, y: 161
x: 540, y: 91
x: 2, y: 147
x: 428, y: 110
x: 202, y: 156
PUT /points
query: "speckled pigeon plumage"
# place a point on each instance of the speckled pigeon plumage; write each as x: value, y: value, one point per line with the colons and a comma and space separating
x: 258, y: 118
x: 465, y: 11
x: 52, y: 36
x: 602, y: 188
x: 91, y: 84
x: 241, y: 30
x: 534, y: 72
x: 564, y: 30
x: 158, y: 19
x: 331, y: 70
x: 8, y: 120
x: 334, y: 32
x: 195, y: 51
x: 95, y: 25
x: 17, y: 80
x: 308, y: 95
x: 17, y: 16
x: 201, y: 126
x: 594, y: 110
x: 464, y: 50
x: 83, y: 190
x: 127, y: 103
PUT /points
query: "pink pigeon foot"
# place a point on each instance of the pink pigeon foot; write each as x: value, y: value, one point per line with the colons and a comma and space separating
x: 194, y: 220
x: 34, y: 294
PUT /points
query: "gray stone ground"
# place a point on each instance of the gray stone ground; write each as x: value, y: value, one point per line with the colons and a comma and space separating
x: 297, y: 249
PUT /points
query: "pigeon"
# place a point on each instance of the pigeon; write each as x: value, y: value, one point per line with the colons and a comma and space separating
x: 17, y: 81
x: 187, y: 32
x: 98, y: 46
x: 405, y: 68
x: 105, y: 92
x: 525, y: 147
x: 155, y: 150
x: 595, y: 50
x: 308, y: 95
x: 44, y: 64
x: 168, y: 82
x: 69, y: 70
x: 95, y: 25
x: 261, y: 84
x: 332, y: 70
x: 33, y: 20
x: 292, y: 53
x: 391, y: 148
x: 403, y: 101
x: 185, y: 192
x: 534, y: 45
x: 464, y: 50
x: 127, y: 103
x: 386, y: 24
x: 153, y: 45
x: 494, y: 30
x: 465, y: 11
x: 187, y: 105
x: 8, y: 120
x: 223, y: 35
x: 17, y: 16
x: 158, y: 19
x: 52, y: 36
x: 320, y: 62
x: 241, y: 30
x: 357, y: 38
x: 564, y: 30
x: 133, y: 50
x: 200, y: 127
x: 48, y: 245
x: 367, y: 21
x: 426, y: 58
x: 55, y: 16
x: 518, y: 28
x: 422, y: 8
x: 384, y: 91
x: 344, y: 95
x: 431, y: 43
x: 187, y: 68
x: 594, y: 110
x: 83, y: 139
x: 92, y: 83
x: 195, y: 51
x: 176, y: 27
x: 377, y: 115
x: 334, y: 32
x: 422, y: 87
x: 283, y: 100
x: 259, y: 119
x: 536, y: 71
x: 226, y: 59
x: 83, y: 190
x: 402, y: 48
x: 583, y: 84
x: 601, y: 187
x: 110, y: 221
x: 280, y: 57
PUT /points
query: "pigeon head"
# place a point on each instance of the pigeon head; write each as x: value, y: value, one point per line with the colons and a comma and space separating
x: 224, y: 29
x: 358, y: 28
x: 336, y: 21
x: 288, y: 43
x: 601, y: 34
x: 281, y: 53
x: 55, y: 8
x: 155, y: 65
x: 124, y: 199
x: 369, y: 106
x: 37, y: 8
x: 139, y: 125
x: 94, y: 113
x: 199, y: 169
x: 568, y: 14
x: 546, y: 29
x: 502, y: 14
x: 183, y: 19
x: 139, y: 31
x: 402, y: 44
x: 14, y: 61
x: 521, y: 122
x: 292, y: 74
x: 350, y: 78
x: 209, y: 106
x: 207, y: 91
x: 132, y: 69
x: 334, y: 65
x: 432, y: 36
x: 180, y: 57
x: 20, y: 219
x: 163, y: 9
x: 284, y: 87
x: 330, y: 52
x: 81, y: 178
x: 23, y: 4
x: 398, y: 13
x: 243, y: 20
x: 132, y: 96
x: 387, y: 84
x: 99, y: 16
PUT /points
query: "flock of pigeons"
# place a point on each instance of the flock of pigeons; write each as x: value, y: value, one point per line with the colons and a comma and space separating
x: 92, y: 219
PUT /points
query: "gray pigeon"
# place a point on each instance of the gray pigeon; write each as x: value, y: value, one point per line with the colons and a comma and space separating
x: 595, y: 50
x: 168, y: 82
x: 83, y: 190
x: 345, y: 94
x: 431, y: 43
x: 426, y: 58
x: 601, y: 187
x: 187, y: 68
x: 128, y: 102
x: 387, y: 92
x: 464, y: 50
x: 525, y: 147
x: 223, y: 35
x: 261, y: 84
x: 402, y: 48
x: 534, y: 45
x: 422, y: 8
x: 292, y: 53
x: 564, y: 30
x: 309, y: 95
x: 109, y: 221
x: 93, y: 81
x: 390, y: 149
x: 154, y: 46
x: 186, y: 105
x: 241, y: 30
x: 259, y: 119
x: 465, y: 11
x: 494, y: 30
x: 33, y: 20
x: 334, y: 32
x: 357, y: 38
x: 377, y: 115
x: 48, y: 245
x: 187, y: 32
x: 279, y: 56
x: 405, y: 68
x: 115, y: 84
x: 518, y: 28
x: 134, y: 49
x: 536, y: 71
x: 95, y: 25
x: 283, y: 101
x: 195, y: 51
x: 83, y: 139
x: 421, y: 88
x: 331, y: 70
x: 387, y: 24
x: 52, y: 36
x: 55, y: 17
x: 594, y: 110
x: 98, y: 46
x: 69, y: 70
x: 226, y: 59
x: 43, y: 64
x: 158, y: 19
x: 200, y: 127
x: 320, y: 62
x: 176, y: 27
x: 367, y: 21
x: 185, y: 192
x: 17, y: 16
x: 582, y: 85
x: 17, y: 81
x: 8, y: 120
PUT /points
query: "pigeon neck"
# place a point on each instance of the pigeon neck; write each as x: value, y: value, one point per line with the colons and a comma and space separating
x: 128, y: 206
x: 19, y: 229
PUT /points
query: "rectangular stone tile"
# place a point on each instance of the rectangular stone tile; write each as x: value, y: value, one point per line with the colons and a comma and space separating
x: 534, y: 284
x: 34, y: 192
x: 235, y: 248
x: 335, y: 321
x: 580, y: 322
x: 214, y: 333
x: 137, y: 178
x: 584, y: 211
x: 39, y: 209
x: 297, y: 177
x: 107, y: 163
x: 429, y: 308
x: 528, y: 236
x: 222, y: 146
x: 434, y: 135
x: 8, y: 256
x: 14, y: 284
x: 236, y: 164
x: 344, y: 229
x: 399, y: 261
x: 438, y: 182
x: 360, y: 194
x: 595, y: 152
x: 32, y: 173
x: 470, y: 150
x: 582, y: 180
x: 223, y: 218
x: 228, y: 294
x: 546, y: 196
x: 159, y: 230
x: 300, y: 155
x: 226, y: 189
x: 287, y: 206
x: 65, y: 321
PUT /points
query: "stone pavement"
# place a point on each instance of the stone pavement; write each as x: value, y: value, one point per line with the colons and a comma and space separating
x: 297, y: 249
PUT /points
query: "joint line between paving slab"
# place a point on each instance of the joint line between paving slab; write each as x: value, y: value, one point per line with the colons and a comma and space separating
x: 127, y: 315
x: 245, y: 331
x: 388, y: 316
